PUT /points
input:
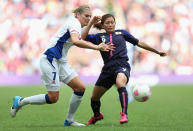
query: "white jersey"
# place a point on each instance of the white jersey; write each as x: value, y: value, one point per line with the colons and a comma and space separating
x: 61, y: 41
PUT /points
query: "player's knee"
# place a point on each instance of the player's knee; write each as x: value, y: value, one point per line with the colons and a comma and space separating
x: 53, y: 97
x: 121, y: 83
x: 95, y: 98
x: 121, y: 80
x: 80, y: 88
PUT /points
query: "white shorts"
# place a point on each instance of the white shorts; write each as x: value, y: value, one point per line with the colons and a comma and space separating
x: 53, y: 74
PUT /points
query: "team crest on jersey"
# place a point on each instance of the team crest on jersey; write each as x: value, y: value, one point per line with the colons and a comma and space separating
x: 103, y: 39
x: 124, y: 69
x: 118, y: 33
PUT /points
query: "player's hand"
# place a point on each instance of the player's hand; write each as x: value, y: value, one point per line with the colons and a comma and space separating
x: 106, y: 47
x: 96, y: 20
x: 162, y: 54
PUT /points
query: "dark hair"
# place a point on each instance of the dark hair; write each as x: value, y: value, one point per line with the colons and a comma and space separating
x: 81, y: 9
x: 104, y: 17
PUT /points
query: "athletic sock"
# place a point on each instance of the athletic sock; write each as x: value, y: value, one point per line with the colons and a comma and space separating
x: 96, y: 107
x: 123, y: 96
x: 37, y: 99
x: 75, y: 101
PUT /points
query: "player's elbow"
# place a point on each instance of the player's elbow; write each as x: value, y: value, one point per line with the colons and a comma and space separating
x: 54, y: 99
x: 140, y: 44
x: 75, y: 42
x: 83, y: 37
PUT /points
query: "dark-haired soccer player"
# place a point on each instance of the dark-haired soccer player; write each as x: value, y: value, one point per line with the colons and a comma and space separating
x: 116, y: 69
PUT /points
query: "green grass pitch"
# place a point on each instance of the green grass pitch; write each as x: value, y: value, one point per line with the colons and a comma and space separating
x: 170, y: 108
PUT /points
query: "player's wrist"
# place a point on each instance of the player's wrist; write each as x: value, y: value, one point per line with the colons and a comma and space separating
x: 98, y: 47
x: 91, y: 23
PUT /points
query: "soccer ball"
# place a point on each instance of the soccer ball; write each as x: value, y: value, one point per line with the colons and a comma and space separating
x: 141, y: 92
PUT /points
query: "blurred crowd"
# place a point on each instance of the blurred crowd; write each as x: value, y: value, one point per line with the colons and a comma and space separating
x: 26, y: 27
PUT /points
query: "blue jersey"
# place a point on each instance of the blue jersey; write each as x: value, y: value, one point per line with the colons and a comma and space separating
x: 118, y: 39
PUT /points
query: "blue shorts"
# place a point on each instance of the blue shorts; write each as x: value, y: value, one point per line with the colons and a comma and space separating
x: 109, y: 73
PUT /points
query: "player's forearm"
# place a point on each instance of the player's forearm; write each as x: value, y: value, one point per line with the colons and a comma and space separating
x: 147, y: 47
x: 85, y: 44
x: 86, y: 31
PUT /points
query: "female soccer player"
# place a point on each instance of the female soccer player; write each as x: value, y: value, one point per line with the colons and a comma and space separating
x: 116, y: 69
x: 54, y: 67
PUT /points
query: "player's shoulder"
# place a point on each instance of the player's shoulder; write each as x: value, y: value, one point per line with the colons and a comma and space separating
x: 123, y: 32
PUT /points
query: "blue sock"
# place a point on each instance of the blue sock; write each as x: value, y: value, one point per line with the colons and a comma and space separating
x: 47, y: 99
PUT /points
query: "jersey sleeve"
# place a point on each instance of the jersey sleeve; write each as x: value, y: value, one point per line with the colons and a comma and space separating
x: 74, y: 26
x: 128, y: 37
x: 92, y: 38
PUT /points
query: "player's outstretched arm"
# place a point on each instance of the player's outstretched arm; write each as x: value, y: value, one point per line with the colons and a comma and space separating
x: 85, y: 44
x: 147, y: 47
x: 94, y: 20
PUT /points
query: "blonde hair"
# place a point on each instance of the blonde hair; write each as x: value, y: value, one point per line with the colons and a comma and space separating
x: 81, y: 9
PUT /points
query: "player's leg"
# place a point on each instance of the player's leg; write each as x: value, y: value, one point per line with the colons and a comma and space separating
x: 71, y: 78
x: 121, y: 81
x: 104, y: 82
x: 78, y: 87
x: 97, y: 93
x: 50, y: 78
x: 18, y: 102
